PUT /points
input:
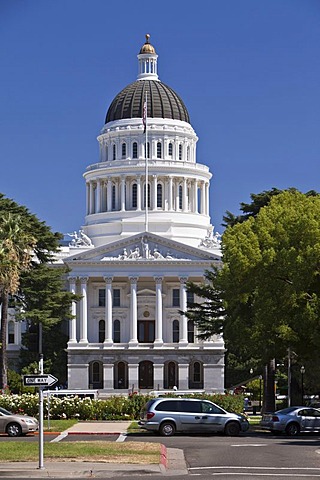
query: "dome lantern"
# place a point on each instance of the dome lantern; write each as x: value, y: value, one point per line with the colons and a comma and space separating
x: 147, y: 61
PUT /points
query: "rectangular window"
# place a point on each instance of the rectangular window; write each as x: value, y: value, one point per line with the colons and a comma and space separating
x: 146, y: 331
x: 175, y: 297
x: 102, y: 297
x: 116, y: 297
x: 190, y: 297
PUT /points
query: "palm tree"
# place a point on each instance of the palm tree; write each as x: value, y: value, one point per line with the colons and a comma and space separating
x: 16, y: 251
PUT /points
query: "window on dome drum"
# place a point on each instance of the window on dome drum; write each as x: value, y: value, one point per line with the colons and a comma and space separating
x: 159, y: 150
x: 113, y: 152
x: 102, y: 297
x: 188, y: 154
x: 144, y: 199
x: 180, y: 152
x: 116, y: 331
x: 175, y: 331
x: 102, y: 331
x: 159, y: 195
x: 190, y: 331
x: 170, y: 149
x: 148, y: 152
x: 180, y: 197
x: 113, y: 198
x: 175, y: 297
x: 116, y: 297
x: 190, y: 297
x: 134, y: 195
x: 123, y: 150
x: 134, y: 150
x: 11, y: 338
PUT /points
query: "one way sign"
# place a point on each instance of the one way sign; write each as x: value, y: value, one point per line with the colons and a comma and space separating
x: 39, y: 380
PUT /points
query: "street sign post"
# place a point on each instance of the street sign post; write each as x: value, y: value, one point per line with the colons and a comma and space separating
x: 40, y: 381
x: 45, y: 380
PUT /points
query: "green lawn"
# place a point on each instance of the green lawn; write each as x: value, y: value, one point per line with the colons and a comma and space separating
x: 57, y: 425
x: 98, y: 451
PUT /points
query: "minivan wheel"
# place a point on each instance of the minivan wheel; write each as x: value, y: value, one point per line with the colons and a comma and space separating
x: 232, y: 429
x: 167, y: 429
x: 14, y: 430
x: 293, y: 429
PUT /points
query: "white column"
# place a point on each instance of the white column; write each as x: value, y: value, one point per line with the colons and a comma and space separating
x: 84, y: 311
x: 109, y: 195
x: 154, y: 192
x: 104, y: 197
x: 108, y: 312
x: 183, y: 307
x: 138, y: 193
x: 123, y: 194
x: 73, y: 321
x: 195, y: 196
x: 207, y: 198
x: 108, y: 373
x: 170, y: 194
x: 92, y: 205
x: 133, y: 376
x: 98, y: 193
x: 203, y: 198
x: 183, y: 376
x: 158, y: 340
x: 177, y: 195
x: 117, y: 195
x: 158, y: 370
x: 133, y: 342
x: 87, y: 198
x: 184, y: 196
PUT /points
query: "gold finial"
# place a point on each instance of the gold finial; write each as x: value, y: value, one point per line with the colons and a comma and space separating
x: 147, y: 37
x: 147, y: 47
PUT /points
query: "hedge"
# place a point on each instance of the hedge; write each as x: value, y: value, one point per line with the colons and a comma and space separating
x: 113, y: 408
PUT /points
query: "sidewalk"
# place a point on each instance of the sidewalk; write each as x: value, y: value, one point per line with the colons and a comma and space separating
x: 172, y: 460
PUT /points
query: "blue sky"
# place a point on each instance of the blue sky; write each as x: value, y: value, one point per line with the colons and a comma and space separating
x: 247, y: 70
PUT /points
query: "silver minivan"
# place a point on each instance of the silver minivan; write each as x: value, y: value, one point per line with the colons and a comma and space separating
x: 170, y: 415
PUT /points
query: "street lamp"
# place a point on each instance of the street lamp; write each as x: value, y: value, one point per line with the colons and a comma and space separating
x: 260, y: 391
x: 251, y: 371
x: 302, y: 371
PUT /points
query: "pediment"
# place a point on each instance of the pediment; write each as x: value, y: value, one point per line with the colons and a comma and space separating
x: 144, y: 247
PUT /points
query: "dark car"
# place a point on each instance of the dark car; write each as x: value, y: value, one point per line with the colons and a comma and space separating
x: 292, y: 420
x: 169, y: 415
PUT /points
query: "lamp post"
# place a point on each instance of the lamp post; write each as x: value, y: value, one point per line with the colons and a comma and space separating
x: 302, y: 371
x: 260, y: 391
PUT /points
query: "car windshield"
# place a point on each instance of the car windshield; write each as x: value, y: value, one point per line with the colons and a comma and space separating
x: 3, y: 411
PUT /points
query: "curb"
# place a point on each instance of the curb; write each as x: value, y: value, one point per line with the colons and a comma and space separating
x: 163, y: 456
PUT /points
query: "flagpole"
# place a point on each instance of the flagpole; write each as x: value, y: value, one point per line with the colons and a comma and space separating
x: 146, y: 163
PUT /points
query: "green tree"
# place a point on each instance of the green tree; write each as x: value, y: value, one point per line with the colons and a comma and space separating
x: 270, y: 280
x: 16, y: 249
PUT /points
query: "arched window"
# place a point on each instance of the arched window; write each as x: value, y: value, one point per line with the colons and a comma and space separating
x: 175, y: 331
x: 123, y: 150
x: 171, y: 375
x: 113, y: 151
x: 170, y: 149
x: 116, y: 331
x: 121, y: 375
x: 11, y: 338
x: 134, y: 150
x: 95, y: 375
x: 159, y: 150
x: 190, y: 331
x: 197, y: 372
x: 180, y: 152
x: 188, y: 154
x: 144, y: 199
x: 148, y: 152
x: 180, y: 197
x: 146, y: 374
x: 106, y: 153
x: 159, y: 195
x: 102, y: 331
x: 196, y: 375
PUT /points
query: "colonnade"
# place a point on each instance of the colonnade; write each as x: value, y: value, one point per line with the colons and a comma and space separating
x: 170, y: 193
x: 82, y: 335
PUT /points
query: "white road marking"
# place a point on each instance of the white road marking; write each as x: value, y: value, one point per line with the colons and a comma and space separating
x: 256, y: 468
x: 250, y: 445
x: 59, y: 437
x: 121, y: 437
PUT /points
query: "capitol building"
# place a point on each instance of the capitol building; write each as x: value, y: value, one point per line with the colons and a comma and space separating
x: 146, y: 232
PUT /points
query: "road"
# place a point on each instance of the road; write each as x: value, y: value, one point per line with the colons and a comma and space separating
x: 253, y: 456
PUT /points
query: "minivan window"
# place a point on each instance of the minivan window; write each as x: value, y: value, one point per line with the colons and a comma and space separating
x: 190, y: 407
x: 210, y: 408
x: 168, y: 406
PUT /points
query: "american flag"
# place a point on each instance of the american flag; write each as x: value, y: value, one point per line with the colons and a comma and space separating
x: 144, y: 118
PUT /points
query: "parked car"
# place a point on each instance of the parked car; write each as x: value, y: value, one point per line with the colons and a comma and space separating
x: 292, y: 420
x: 16, y: 425
x: 170, y: 415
